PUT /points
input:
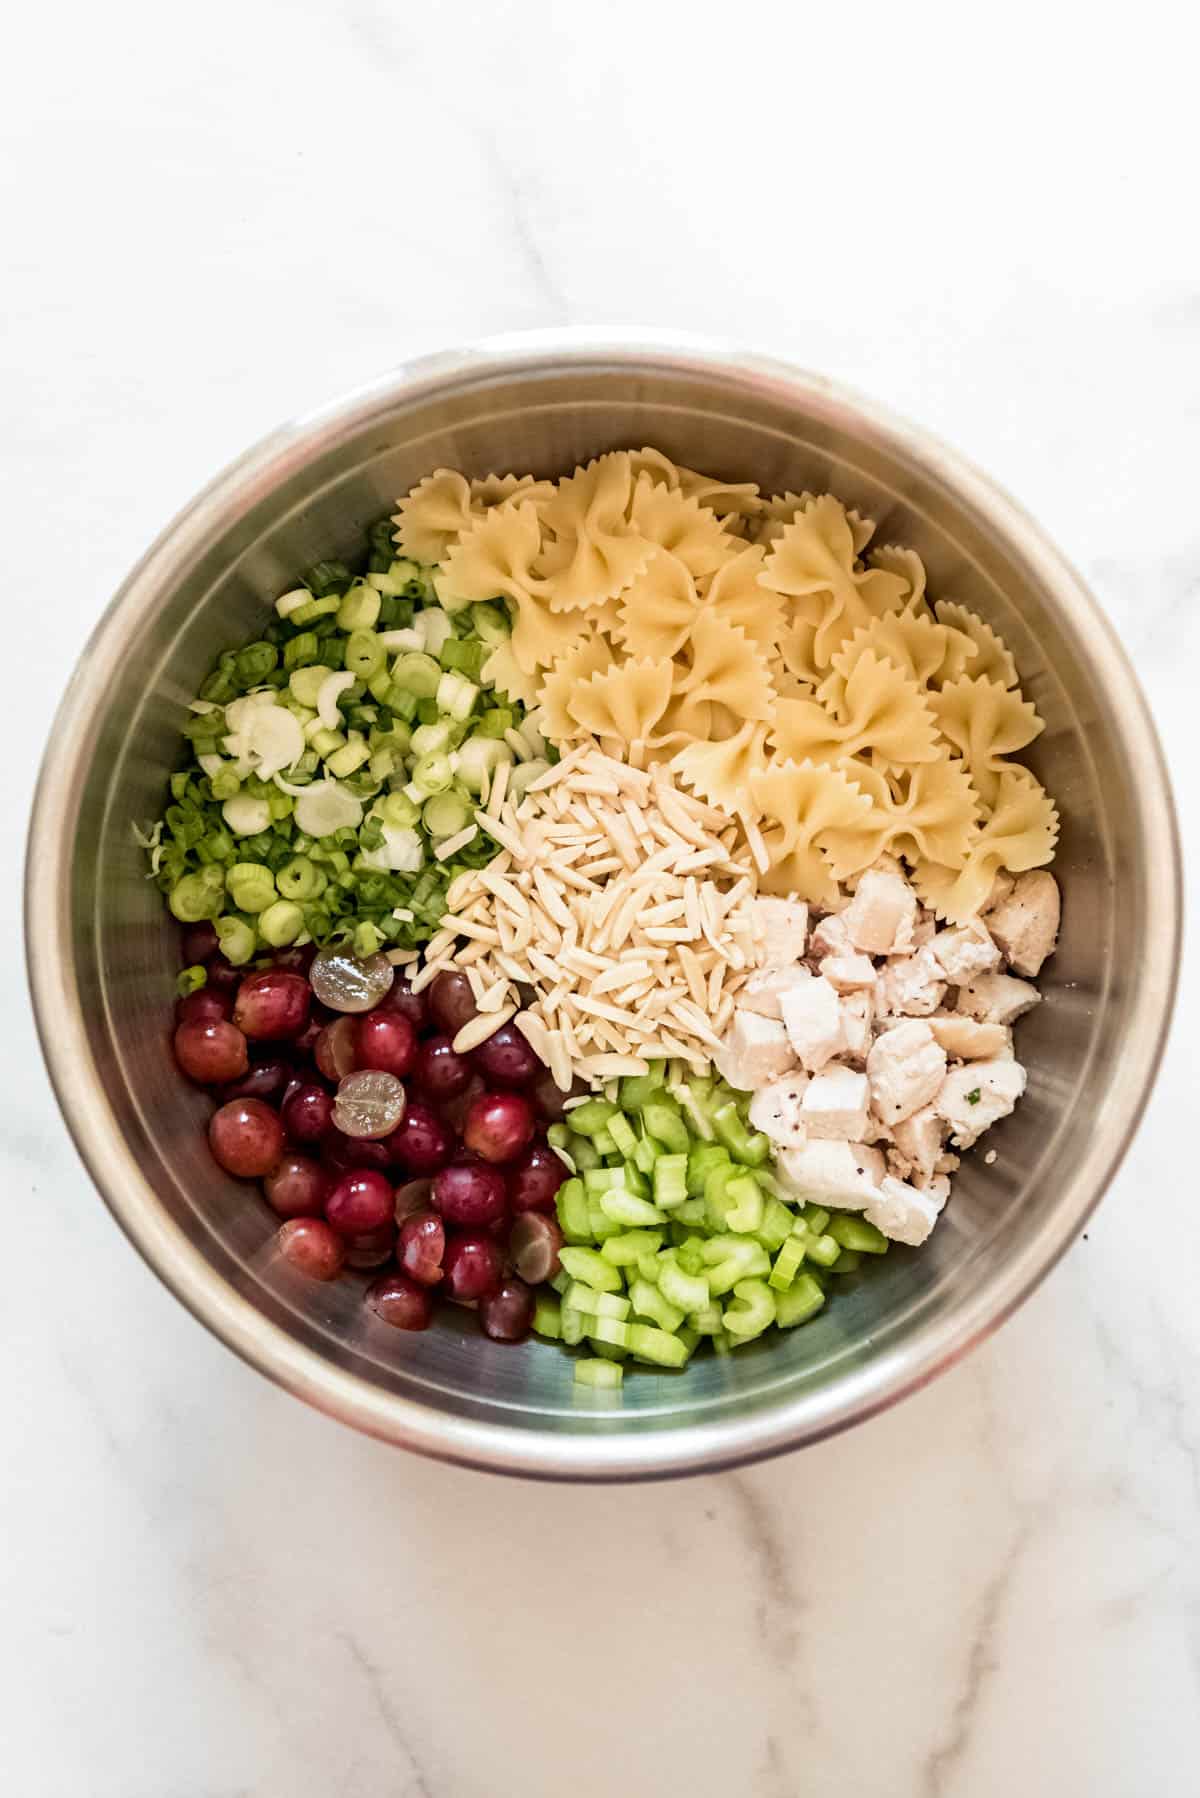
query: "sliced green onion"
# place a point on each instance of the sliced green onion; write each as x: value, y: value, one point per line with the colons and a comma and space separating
x: 417, y: 674
x: 198, y: 896
x: 191, y: 980
x: 281, y: 923
x: 251, y: 886
x: 238, y: 940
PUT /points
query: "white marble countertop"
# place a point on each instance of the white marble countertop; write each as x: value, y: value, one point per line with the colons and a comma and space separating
x: 215, y: 218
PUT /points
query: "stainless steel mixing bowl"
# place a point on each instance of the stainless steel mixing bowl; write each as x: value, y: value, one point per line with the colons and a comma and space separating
x: 102, y: 953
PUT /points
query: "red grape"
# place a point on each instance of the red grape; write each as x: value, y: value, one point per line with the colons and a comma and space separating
x: 400, y: 1302
x: 549, y: 1097
x: 360, y: 1200
x: 246, y: 1138
x: 205, y: 1006
x: 421, y: 1143
x: 451, y: 1002
x: 334, y: 1049
x: 498, y: 1125
x: 421, y: 1246
x: 387, y: 1041
x: 410, y: 1005
x: 439, y: 1072
x: 469, y: 1192
x: 262, y: 1080
x: 222, y: 975
x: 507, y: 1314
x: 369, y: 1103
x: 297, y: 959
x: 307, y: 1113
x: 297, y: 1187
x: 211, y: 1053
x: 413, y: 1196
x: 311, y: 1247
x: 535, y: 1179
x: 345, y: 1153
x: 272, y: 1005
x: 473, y: 1265
x: 197, y: 942
x: 533, y: 1243
x: 345, y: 982
x: 506, y: 1058
x: 372, y: 1248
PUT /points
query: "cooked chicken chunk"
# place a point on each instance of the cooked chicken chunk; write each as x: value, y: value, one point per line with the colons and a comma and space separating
x: 882, y: 913
x: 1026, y: 923
x: 843, y: 1174
x: 905, y: 1067
x: 965, y: 951
x: 973, y: 1098
x: 902, y: 1212
x: 997, y: 998
x: 835, y: 1105
x: 919, y: 1139
x: 775, y: 1110
x: 849, y: 973
x: 910, y: 986
x: 813, y: 1017
x: 858, y: 1010
x: 755, y: 1051
x: 965, y: 1040
x: 765, y: 986
x: 781, y: 926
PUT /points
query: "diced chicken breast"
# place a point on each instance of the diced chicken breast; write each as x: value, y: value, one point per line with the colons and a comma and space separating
x: 973, y: 1098
x: 902, y: 1212
x: 965, y: 951
x: 905, y: 1068
x: 919, y: 1139
x: 765, y: 986
x: 850, y: 973
x: 882, y: 913
x: 965, y: 1040
x: 781, y: 925
x: 858, y: 1010
x: 813, y: 1017
x: 1025, y: 925
x: 775, y: 1110
x: 1002, y: 886
x: 844, y: 1174
x: 910, y: 986
x: 997, y: 998
x: 829, y: 938
x: 835, y: 1105
x: 755, y: 1052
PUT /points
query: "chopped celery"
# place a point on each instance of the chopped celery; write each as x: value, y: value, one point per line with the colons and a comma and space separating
x: 547, y: 1316
x: 591, y: 1116
x: 800, y: 1302
x: 573, y: 1324
x: 788, y: 1263
x: 665, y: 1125
x: 857, y: 1234
x: 626, y: 1208
x: 824, y: 1250
x: 648, y: 1301
x: 746, y: 1201
x: 815, y: 1219
x: 700, y: 1163
x: 659, y: 1347
x: 750, y: 1148
x: 611, y: 1330
x: 637, y: 1089
x: 689, y: 1292
x: 670, y: 1180
x: 596, y: 1304
x: 776, y: 1226
x: 620, y: 1130
x: 605, y: 1376
x: 753, y: 1312
x: 627, y: 1248
x: 572, y: 1207
x: 590, y: 1268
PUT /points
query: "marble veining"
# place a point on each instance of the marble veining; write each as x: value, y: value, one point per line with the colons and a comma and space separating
x: 214, y: 220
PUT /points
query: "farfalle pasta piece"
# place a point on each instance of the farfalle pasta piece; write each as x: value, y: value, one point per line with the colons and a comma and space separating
x: 626, y: 701
x: 1021, y: 833
x: 658, y: 609
x: 719, y: 772
x: 592, y: 655
x: 725, y: 669
x: 797, y: 654
x: 728, y: 499
x: 493, y: 558
x: 664, y: 516
x: 430, y: 518
x: 814, y: 563
x: 881, y: 711
x: 496, y: 489
x: 591, y: 552
x: 736, y: 594
x: 779, y: 511
x: 992, y: 659
x: 893, y: 558
x: 913, y: 641
x: 799, y: 804
x: 984, y: 721
x: 924, y: 812
x: 504, y: 672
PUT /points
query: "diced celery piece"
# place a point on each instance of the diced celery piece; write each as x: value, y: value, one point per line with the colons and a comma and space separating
x: 629, y: 1247
x: 605, y: 1376
x: 691, y: 1097
x: 591, y: 1116
x: 559, y: 1281
x: 605, y: 1145
x: 815, y: 1219
x: 802, y: 1300
x: 689, y: 1292
x: 750, y: 1148
x: 746, y: 1200
x: 690, y: 1254
x: 649, y: 1267
x: 636, y: 1089
x: 717, y: 1201
x: 635, y: 1181
x: 856, y: 1233
x: 848, y: 1262
x: 600, y: 1226
x: 645, y: 1155
x: 648, y: 1301
x: 823, y: 1250
x: 670, y: 1180
x: 706, y: 1319
x: 627, y: 1209
x: 753, y: 1312
x: 656, y: 1346
x: 574, y: 1324
x: 701, y: 1162
x: 571, y: 1204
x: 583, y: 1151
x: 776, y: 1226
x: 612, y: 1330
x: 590, y: 1268
x: 665, y: 1125
x: 787, y: 1264
x: 734, y: 1258
x: 689, y: 1337
x: 596, y: 1304
x: 693, y: 1213
x: 547, y: 1317
x: 602, y: 1179
x: 621, y: 1131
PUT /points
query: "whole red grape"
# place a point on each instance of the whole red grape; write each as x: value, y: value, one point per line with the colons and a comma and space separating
x: 473, y: 1264
x: 439, y: 1071
x: 246, y: 1138
x: 311, y: 1247
x: 534, y: 1180
x: 385, y: 1040
x: 297, y: 1187
x: 451, y: 1002
x: 360, y: 1200
x: 469, y: 1192
x: 498, y: 1125
x: 507, y: 1314
x: 506, y: 1059
x: 421, y: 1246
x: 211, y: 1053
x: 421, y: 1143
x: 399, y: 1301
x: 272, y: 1005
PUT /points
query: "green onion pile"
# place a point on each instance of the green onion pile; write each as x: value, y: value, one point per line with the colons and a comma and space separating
x: 336, y: 764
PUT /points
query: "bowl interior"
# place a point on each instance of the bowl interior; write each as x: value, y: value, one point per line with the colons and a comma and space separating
x: 309, y: 495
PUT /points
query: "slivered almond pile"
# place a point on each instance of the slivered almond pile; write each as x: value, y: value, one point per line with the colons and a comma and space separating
x: 621, y: 901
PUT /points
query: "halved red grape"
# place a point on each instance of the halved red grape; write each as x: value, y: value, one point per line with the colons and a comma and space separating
x: 469, y: 1192
x: 297, y: 1187
x: 246, y: 1138
x: 307, y: 1113
x: 498, y: 1126
x: 399, y: 1301
x: 451, y: 1002
x: 506, y: 1058
x: 534, y: 1180
x: 311, y: 1247
x: 345, y: 983
x: 387, y: 1041
x: 272, y: 1005
x: 533, y: 1243
x: 412, y: 1197
x: 507, y: 1314
x: 410, y: 1005
x: 369, y: 1103
x: 360, y: 1200
x: 197, y: 942
x: 472, y: 1265
x: 372, y: 1248
x: 267, y: 1079
x: 421, y: 1246
x: 205, y: 1006
x: 335, y: 1049
x: 212, y: 1052
x: 438, y: 1071
x: 421, y: 1142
